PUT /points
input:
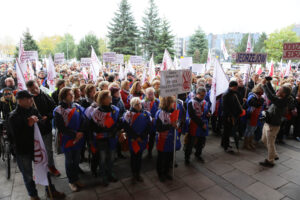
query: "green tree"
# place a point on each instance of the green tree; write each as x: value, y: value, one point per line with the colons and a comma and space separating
x: 274, y: 44
x: 204, y: 55
x: 196, y: 56
x: 123, y: 32
x: 260, y: 46
x: 29, y: 43
x: 165, y: 41
x: 102, y: 46
x: 47, y: 45
x: 84, y: 46
x: 67, y: 46
x: 150, y: 30
x: 242, y: 46
x: 198, y: 42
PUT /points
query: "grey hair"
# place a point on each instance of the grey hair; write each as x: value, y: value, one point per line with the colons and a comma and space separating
x: 150, y: 89
x: 200, y: 90
x: 134, y: 101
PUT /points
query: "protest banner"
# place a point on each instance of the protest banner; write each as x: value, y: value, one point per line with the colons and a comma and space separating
x: 175, y: 82
x: 198, y: 68
x: 119, y: 59
x: 136, y: 60
x: 250, y: 58
x: 59, y: 58
x: 31, y: 56
x: 291, y: 51
x: 186, y: 62
x: 109, y: 57
x: 85, y: 62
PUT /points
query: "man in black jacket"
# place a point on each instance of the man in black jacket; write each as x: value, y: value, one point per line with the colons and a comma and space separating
x: 232, y: 109
x: 45, y: 106
x: 278, y: 108
x: 21, y: 127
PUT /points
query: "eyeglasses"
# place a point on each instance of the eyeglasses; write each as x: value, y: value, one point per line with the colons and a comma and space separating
x: 7, y: 93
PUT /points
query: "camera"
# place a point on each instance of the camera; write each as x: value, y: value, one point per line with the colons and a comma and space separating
x: 268, y: 78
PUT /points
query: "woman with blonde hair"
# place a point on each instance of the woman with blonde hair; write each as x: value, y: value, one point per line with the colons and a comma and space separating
x: 136, y: 91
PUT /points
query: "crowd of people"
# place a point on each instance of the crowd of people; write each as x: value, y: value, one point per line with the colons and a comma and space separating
x: 111, y: 116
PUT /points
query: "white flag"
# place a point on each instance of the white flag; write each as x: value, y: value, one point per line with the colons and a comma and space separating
x: 40, y: 158
x: 176, y: 63
x: 249, y: 45
x: 167, y: 63
x: 246, y: 74
x: 144, y: 76
x: 51, y: 74
x: 95, y: 66
x: 219, y: 84
x: 130, y: 68
x: 121, y: 72
x: 208, y: 62
x: 151, y: 69
x: 20, y: 77
x: 288, y: 68
x: 224, y: 50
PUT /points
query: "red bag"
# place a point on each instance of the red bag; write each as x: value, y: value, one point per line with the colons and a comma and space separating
x: 135, y: 146
x: 109, y: 122
x: 174, y: 116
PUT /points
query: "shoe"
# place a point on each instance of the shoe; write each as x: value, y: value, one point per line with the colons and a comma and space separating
x: 113, y: 178
x: 298, y: 139
x: 139, y: 178
x: 187, y: 162
x: 229, y: 150
x: 280, y: 142
x: 266, y: 163
x: 251, y: 143
x: 121, y: 156
x: 73, y: 187
x: 79, y: 184
x: 200, y: 159
x: 34, y: 198
x: 149, y: 155
x: 53, y: 171
x: 277, y: 158
x: 176, y: 165
x: 56, y: 195
x: 247, y: 143
x: 105, y: 182
x: 169, y: 177
x: 162, y: 179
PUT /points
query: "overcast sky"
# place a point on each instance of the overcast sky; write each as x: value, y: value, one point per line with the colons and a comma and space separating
x: 78, y: 17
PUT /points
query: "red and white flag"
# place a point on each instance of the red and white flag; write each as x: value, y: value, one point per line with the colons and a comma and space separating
x: 288, y: 69
x: 95, y: 66
x: 151, y: 69
x: 224, y: 50
x: 167, y: 63
x: 85, y: 73
x: 176, y: 63
x: 271, y: 71
x: 20, y: 77
x: 40, y: 158
x: 249, y: 45
x: 219, y: 84
x: 51, y: 74
x: 258, y: 70
x: 208, y: 62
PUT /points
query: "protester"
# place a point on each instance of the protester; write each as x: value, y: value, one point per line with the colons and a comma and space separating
x: 59, y: 85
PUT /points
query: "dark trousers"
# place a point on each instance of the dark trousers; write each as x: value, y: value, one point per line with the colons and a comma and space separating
x: 24, y: 163
x: 216, y: 124
x: 72, y: 159
x: 229, y: 129
x: 284, y: 129
x: 197, y: 142
x: 136, y: 162
x: 105, y: 158
x: 164, y: 162
x: 151, y: 141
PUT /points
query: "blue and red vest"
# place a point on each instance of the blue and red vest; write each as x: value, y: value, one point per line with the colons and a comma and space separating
x: 201, y: 109
x: 73, y: 118
x: 253, y: 113
x: 139, y: 122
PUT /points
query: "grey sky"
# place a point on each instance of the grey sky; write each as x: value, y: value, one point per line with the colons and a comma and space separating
x: 50, y: 17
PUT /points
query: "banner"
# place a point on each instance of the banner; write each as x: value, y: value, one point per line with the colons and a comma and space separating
x: 251, y: 58
x: 186, y: 62
x: 198, y: 68
x: 136, y: 60
x: 291, y: 51
x: 151, y: 69
x: 59, y: 58
x: 31, y: 56
x: 173, y: 82
x: 85, y: 62
x: 20, y: 77
x: 119, y: 59
x: 40, y: 158
x: 51, y: 74
x: 96, y: 65
x: 109, y: 57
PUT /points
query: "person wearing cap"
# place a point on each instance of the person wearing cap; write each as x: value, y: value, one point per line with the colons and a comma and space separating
x: 45, y: 106
x: 8, y: 102
x: 295, y: 88
x: 232, y: 110
x: 21, y: 128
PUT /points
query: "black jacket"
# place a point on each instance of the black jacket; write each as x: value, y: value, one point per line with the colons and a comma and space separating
x: 119, y: 103
x: 54, y: 96
x: 192, y: 113
x: 6, y: 106
x: 231, y: 105
x: 22, y: 134
x: 86, y: 102
x: 45, y: 105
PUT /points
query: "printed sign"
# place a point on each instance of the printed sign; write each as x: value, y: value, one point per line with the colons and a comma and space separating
x: 59, y: 58
x: 119, y: 59
x: 136, y: 60
x: 31, y: 56
x: 291, y: 51
x: 250, y: 58
x: 109, y: 57
x: 175, y: 82
x: 186, y: 62
x: 85, y: 62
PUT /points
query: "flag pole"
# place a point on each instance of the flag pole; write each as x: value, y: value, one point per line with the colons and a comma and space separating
x: 174, y: 154
x: 247, y: 83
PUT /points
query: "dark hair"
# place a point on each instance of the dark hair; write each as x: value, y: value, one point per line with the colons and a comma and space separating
x: 233, y: 84
x: 63, y: 93
x: 88, y: 89
x: 30, y: 83
x: 82, y: 87
x: 60, y: 82
x: 111, y: 78
x: 102, y: 95
x: 286, y: 90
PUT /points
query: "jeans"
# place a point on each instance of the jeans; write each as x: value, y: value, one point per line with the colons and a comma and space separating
x: 105, y: 158
x: 197, y: 142
x: 24, y: 163
x: 249, y: 130
x: 48, y: 145
x: 268, y: 138
x: 164, y: 162
x: 72, y: 159
x: 136, y: 162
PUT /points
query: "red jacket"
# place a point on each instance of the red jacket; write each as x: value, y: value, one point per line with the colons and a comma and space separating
x: 124, y: 96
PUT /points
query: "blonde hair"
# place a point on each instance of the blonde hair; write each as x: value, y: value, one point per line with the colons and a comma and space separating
x: 102, y: 84
x: 134, y: 86
x: 134, y: 101
x: 123, y: 84
x: 165, y: 102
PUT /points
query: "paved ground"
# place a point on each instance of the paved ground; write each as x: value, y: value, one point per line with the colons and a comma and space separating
x: 223, y: 176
